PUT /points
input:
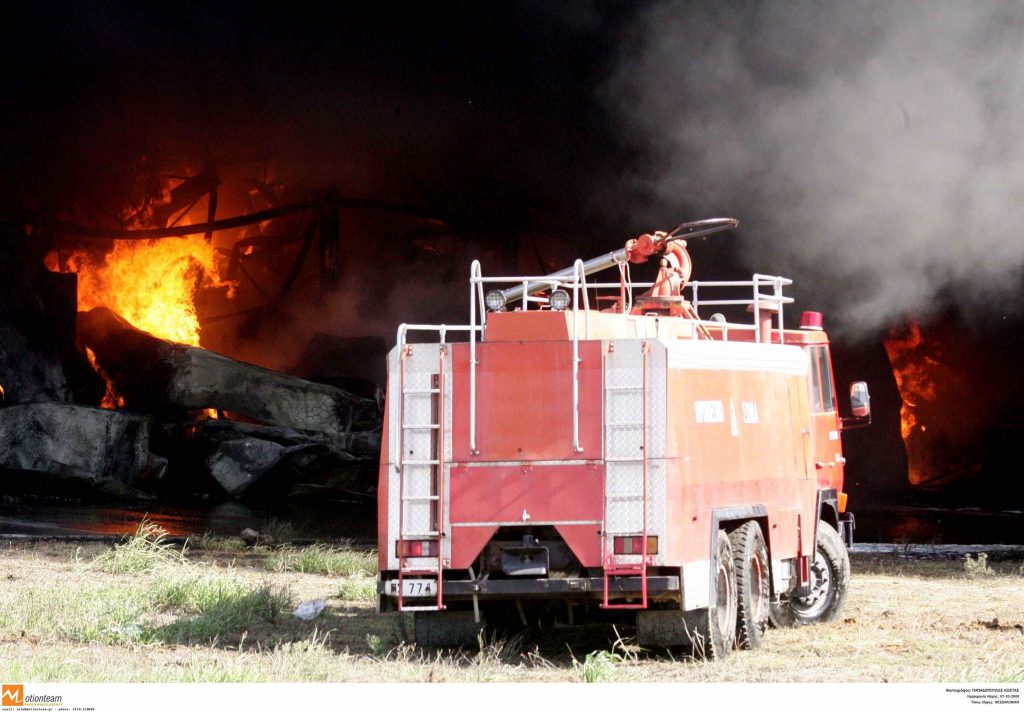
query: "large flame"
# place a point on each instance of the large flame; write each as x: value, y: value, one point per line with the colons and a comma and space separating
x: 151, y: 283
x: 913, y: 369
x: 946, y: 401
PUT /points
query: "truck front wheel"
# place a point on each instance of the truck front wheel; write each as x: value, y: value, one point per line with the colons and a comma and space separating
x: 830, y: 577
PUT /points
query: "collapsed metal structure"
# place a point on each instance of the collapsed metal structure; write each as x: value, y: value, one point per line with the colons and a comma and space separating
x: 247, y: 431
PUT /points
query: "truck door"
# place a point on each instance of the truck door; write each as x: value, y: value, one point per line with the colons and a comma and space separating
x: 828, y: 456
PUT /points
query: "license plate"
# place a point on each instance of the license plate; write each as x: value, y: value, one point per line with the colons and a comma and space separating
x: 415, y: 588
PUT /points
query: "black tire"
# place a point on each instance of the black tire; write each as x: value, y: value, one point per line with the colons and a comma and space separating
x: 830, y: 578
x: 750, y: 557
x: 446, y: 629
x: 712, y: 630
x: 502, y: 618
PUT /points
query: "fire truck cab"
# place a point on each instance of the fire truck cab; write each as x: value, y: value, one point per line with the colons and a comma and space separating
x: 586, y: 449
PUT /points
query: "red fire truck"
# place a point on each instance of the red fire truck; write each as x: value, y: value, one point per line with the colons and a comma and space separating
x: 584, y: 450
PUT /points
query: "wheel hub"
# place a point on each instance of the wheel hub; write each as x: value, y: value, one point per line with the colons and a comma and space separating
x: 725, y: 608
x: 821, y: 592
x: 759, y: 587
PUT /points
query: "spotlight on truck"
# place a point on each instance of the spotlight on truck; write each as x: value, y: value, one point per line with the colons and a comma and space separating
x: 495, y: 300
x: 559, y: 300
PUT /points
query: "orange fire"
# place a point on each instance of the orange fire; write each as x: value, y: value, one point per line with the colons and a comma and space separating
x: 152, y: 283
x: 913, y: 369
x: 918, y: 374
x: 111, y: 398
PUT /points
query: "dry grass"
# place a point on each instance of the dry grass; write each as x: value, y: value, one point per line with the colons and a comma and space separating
x: 215, y: 617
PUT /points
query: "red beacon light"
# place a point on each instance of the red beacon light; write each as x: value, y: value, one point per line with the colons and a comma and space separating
x: 812, y: 321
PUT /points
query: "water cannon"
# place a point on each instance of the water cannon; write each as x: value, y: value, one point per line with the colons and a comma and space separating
x: 671, y: 245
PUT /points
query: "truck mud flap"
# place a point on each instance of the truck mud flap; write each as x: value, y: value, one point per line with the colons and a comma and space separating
x: 847, y: 523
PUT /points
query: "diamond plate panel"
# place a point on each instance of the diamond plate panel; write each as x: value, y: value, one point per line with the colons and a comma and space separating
x: 624, y: 478
x: 626, y: 558
x: 625, y: 438
x: 625, y: 365
x: 624, y: 441
x: 657, y: 400
x: 624, y: 396
x: 418, y: 444
x: 417, y: 517
x: 657, y: 434
x: 624, y: 516
x: 446, y: 420
x: 625, y: 406
x: 418, y: 480
x: 415, y: 408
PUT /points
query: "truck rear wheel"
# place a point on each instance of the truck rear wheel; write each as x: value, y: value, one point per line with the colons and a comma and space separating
x: 706, y: 632
x: 830, y: 577
x: 714, y: 628
x: 750, y: 557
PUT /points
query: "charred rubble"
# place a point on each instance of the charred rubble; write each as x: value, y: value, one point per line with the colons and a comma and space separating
x: 188, y: 422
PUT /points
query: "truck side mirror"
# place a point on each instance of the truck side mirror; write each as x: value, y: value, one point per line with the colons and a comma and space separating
x: 860, y: 405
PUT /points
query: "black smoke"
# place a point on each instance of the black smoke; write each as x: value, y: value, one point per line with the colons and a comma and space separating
x: 874, y: 149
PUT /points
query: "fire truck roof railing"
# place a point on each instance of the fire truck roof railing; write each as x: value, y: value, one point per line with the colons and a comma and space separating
x: 766, y: 295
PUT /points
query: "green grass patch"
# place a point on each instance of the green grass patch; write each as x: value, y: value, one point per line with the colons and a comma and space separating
x: 145, y: 550
x: 89, y: 614
x: 216, y: 609
x: 603, y: 665
x: 212, y: 542
x: 358, y: 588
x: 321, y: 559
x: 168, y: 599
x: 205, y: 608
x: 597, y: 666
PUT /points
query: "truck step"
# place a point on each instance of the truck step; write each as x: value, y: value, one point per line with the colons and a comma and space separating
x: 617, y: 571
x: 422, y: 608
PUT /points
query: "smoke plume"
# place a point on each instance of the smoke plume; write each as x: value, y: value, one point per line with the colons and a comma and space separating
x: 873, y: 149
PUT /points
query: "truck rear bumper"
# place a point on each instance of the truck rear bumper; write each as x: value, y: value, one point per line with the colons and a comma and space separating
x: 529, y: 587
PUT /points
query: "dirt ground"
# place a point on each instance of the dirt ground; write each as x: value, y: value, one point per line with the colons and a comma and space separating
x: 905, y: 621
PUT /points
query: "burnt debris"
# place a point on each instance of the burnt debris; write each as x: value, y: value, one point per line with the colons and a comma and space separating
x: 188, y: 422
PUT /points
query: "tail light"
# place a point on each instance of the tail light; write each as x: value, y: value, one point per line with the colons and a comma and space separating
x: 416, y: 548
x: 634, y: 545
